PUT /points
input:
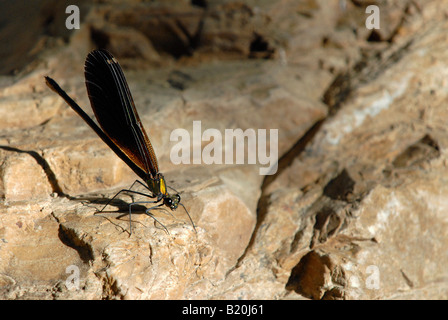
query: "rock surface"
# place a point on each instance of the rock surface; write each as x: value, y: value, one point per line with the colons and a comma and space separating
x: 356, y: 210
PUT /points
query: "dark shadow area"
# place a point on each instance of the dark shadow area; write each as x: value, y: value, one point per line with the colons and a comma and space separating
x: 26, y: 28
x: 340, y: 187
x: 51, y: 177
x: 68, y: 238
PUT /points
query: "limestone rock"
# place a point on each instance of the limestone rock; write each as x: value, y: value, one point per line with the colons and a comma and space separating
x: 356, y: 209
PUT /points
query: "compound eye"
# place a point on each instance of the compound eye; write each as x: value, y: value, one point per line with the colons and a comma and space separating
x: 178, y: 197
x: 168, y: 201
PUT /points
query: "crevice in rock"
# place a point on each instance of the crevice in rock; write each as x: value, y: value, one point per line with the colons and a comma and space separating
x: 110, y: 287
x: 179, y: 80
x: 308, y: 276
x: 338, y: 92
x: 375, y: 64
x: 423, y: 150
x: 260, y: 48
x: 51, y: 177
x: 71, y: 239
x: 168, y: 31
x: 327, y: 223
x: 340, y: 187
x: 416, y: 157
x: 369, y: 68
x: 333, y: 97
x: 404, y: 19
x: 408, y: 281
x: 366, y: 70
x: 284, y: 162
x: 311, y: 275
x: 199, y: 3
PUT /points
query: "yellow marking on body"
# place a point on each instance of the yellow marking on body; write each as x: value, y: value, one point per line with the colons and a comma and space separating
x: 162, y: 186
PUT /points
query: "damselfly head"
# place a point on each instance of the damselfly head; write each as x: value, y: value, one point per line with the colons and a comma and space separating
x: 172, y: 201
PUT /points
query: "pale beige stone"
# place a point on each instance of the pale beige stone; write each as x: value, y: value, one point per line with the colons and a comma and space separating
x: 357, y: 209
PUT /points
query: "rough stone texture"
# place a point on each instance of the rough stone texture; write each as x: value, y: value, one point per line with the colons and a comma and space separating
x: 356, y: 210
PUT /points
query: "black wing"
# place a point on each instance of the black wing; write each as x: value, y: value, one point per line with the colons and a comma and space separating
x: 115, y: 111
x: 56, y: 88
